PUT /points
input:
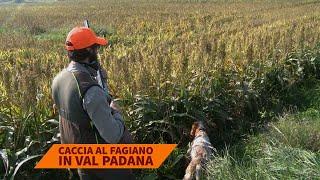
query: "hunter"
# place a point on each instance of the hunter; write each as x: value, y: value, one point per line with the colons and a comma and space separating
x: 87, y: 115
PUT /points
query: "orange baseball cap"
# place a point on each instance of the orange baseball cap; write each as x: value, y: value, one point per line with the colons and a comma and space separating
x: 83, y: 37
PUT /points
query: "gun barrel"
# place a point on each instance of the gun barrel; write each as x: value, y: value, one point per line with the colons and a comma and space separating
x: 100, y: 79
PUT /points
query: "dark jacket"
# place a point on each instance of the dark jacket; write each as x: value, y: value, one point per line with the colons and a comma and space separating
x: 85, y: 116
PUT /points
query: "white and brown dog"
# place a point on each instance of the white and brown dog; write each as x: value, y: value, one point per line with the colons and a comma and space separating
x: 200, y: 150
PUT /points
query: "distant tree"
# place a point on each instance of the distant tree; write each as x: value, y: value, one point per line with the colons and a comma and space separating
x: 18, y: 1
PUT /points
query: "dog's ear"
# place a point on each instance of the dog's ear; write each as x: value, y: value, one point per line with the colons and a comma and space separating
x: 194, y: 128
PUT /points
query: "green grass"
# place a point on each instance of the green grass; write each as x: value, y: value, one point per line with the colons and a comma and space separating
x: 273, y: 162
x: 301, y: 130
x: 288, y: 149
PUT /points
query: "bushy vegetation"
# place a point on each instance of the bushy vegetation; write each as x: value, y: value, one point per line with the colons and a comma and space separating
x: 289, y: 150
x: 235, y: 65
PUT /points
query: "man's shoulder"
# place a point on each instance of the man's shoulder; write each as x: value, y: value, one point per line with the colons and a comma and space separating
x: 59, y: 75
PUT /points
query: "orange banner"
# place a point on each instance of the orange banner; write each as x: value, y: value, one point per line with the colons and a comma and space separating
x: 105, y: 156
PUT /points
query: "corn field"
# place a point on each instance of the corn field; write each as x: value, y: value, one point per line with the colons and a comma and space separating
x: 232, y: 64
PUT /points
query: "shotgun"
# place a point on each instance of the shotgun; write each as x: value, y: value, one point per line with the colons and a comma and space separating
x: 102, y: 82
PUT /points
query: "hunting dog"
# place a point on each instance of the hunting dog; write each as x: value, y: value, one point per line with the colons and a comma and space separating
x: 200, y: 150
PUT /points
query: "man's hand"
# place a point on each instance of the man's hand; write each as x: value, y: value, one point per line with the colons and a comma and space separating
x: 115, y: 106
